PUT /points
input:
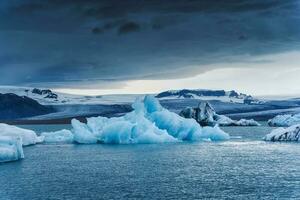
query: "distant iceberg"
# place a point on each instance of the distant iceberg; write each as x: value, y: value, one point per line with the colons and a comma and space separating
x: 285, y: 120
x: 148, y: 123
x: 205, y: 115
x: 291, y: 133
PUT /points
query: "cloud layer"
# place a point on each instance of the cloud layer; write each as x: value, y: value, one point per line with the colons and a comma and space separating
x: 80, y: 42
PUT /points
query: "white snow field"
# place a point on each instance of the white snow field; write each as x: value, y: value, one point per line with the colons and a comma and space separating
x: 63, y: 136
x: 291, y: 133
x: 10, y: 148
x: 149, y: 122
x: 285, y: 120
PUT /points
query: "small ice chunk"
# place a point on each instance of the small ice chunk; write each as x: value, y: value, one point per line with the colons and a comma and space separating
x: 62, y: 136
x: 11, y: 148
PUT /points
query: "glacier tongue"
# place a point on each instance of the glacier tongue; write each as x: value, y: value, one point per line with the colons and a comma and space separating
x: 148, y: 123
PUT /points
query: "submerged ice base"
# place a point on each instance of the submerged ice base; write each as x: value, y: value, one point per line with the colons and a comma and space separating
x: 148, y: 123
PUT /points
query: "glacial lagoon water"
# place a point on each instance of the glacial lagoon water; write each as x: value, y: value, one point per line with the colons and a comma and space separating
x: 243, y: 168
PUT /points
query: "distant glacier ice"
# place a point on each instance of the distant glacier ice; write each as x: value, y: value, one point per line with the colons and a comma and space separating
x: 285, y: 120
x: 291, y: 133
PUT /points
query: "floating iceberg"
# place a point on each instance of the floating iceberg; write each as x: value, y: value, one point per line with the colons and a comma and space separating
x: 285, y: 120
x: 149, y: 122
x: 205, y: 115
x: 247, y: 122
x: 291, y: 133
x: 28, y: 137
x: 64, y: 136
x: 10, y: 148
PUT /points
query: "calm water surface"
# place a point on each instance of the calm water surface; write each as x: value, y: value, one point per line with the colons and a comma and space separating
x: 243, y: 168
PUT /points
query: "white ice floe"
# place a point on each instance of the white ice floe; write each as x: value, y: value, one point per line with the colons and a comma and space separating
x: 205, y: 115
x: 247, y: 122
x: 291, y: 133
x: 12, y: 139
x: 148, y: 123
x: 10, y: 148
x: 29, y: 137
x: 63, y: 136
x: 285, y: 120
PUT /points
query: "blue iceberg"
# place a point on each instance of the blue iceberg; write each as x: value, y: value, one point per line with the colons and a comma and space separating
x: 149, y: 122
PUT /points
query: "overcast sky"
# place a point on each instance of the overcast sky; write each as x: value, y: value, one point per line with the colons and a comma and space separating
x: 140, y: 46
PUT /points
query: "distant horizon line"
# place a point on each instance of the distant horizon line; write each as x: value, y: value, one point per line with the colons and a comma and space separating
x: 72, y: 91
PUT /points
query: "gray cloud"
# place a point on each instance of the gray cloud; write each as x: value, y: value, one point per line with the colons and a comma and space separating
x: 129, y: 27
x: 83, y: 41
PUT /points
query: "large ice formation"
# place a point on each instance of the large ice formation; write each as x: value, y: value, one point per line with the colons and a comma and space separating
x: 285, y: 120
x: 29, y: 137
x: 149, y: 122
x: 12, y: 139
x: 291, y: 133
x: 10, y: 148
x: 205, y: 115
x: 63, y: 136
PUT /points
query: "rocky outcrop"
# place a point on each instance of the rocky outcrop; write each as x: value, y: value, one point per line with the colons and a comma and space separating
x: 205, y: 115
x: 48, y: 93
x: 13, y: 106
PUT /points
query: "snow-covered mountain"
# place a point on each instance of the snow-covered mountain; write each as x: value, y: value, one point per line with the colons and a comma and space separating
x: 203, y: 94
x: 48, y: 97
x: 231, y: 103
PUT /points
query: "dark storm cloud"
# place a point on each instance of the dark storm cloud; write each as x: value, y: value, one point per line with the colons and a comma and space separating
x: 81, y: 41
x: 129, y: 27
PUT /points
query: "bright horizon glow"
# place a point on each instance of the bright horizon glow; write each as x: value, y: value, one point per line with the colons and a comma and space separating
x: 264, y: 76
